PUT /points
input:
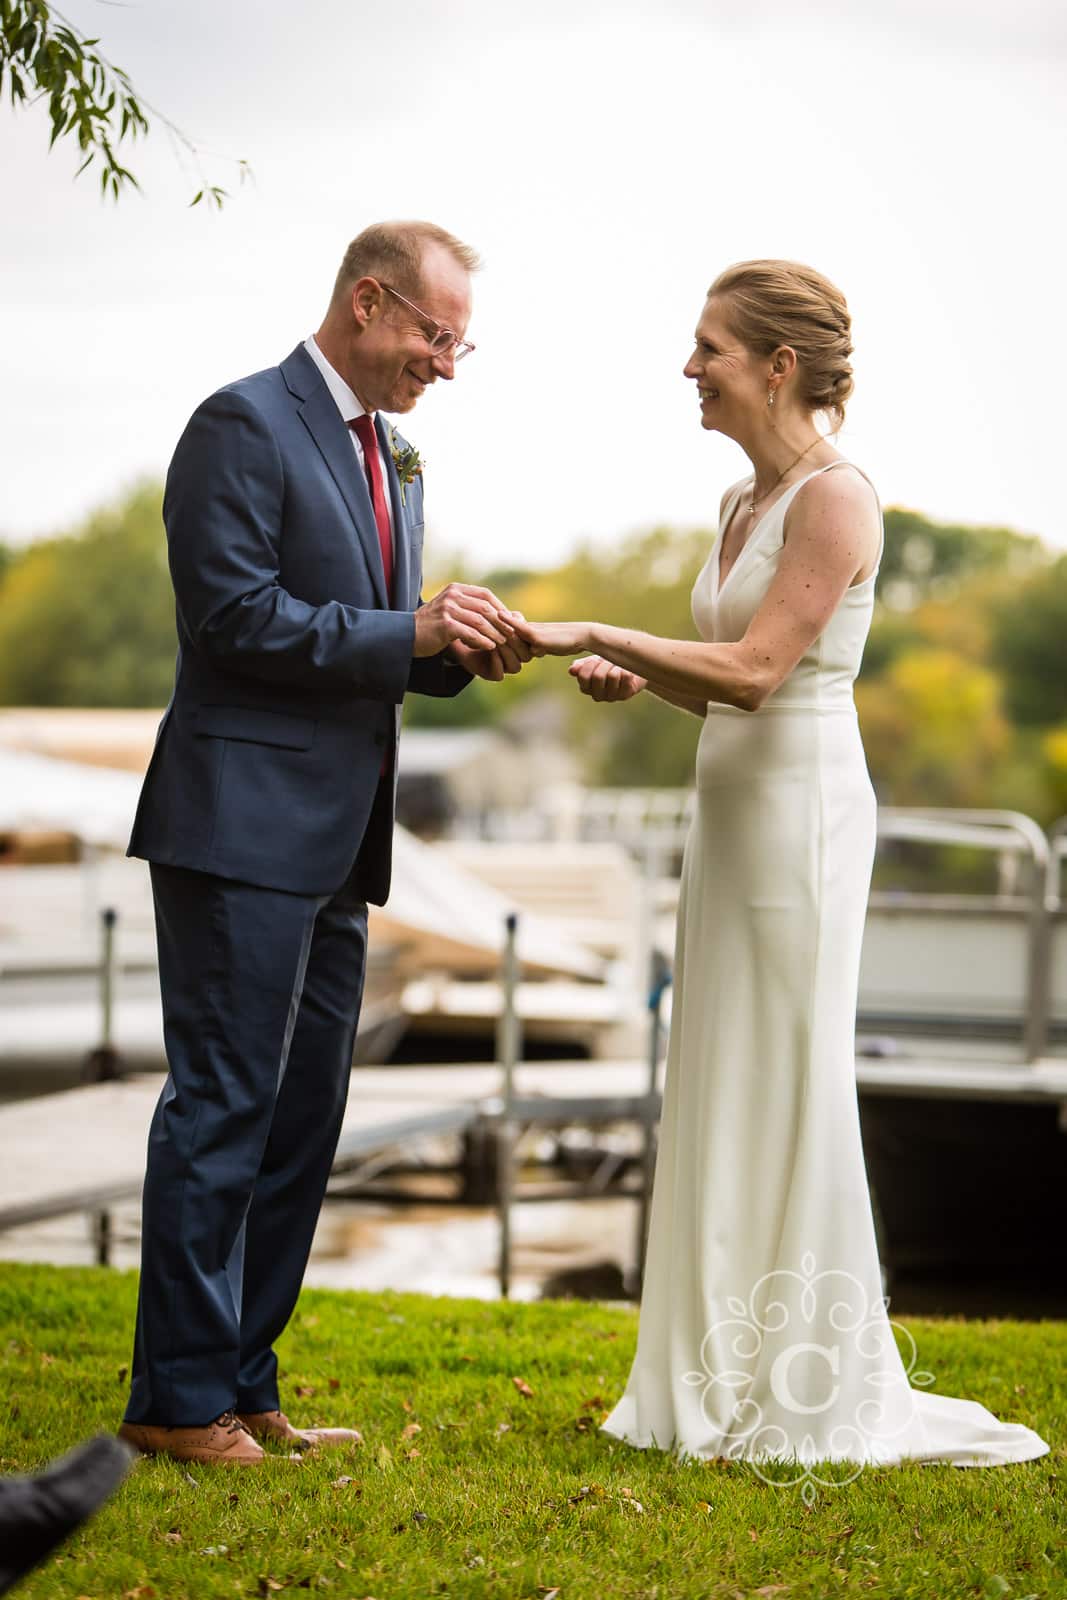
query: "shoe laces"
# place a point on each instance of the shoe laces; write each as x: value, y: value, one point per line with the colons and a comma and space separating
x: 231, y: 1422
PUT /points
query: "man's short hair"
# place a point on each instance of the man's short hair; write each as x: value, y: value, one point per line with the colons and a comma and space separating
x: 393, y: 252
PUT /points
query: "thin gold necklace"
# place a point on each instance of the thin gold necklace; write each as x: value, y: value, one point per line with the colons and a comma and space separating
x: 755, y: 500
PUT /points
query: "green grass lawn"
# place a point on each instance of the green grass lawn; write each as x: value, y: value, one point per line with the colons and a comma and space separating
x: 466, y: 1486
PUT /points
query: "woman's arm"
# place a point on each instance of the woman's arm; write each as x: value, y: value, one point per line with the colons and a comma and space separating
x: 684, y: 702
x: 833, y: 531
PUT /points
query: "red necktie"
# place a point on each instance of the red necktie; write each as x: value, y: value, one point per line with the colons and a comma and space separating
x: 363, y: 428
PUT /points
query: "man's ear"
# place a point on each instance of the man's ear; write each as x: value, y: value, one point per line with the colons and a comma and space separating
x: 367, y: 298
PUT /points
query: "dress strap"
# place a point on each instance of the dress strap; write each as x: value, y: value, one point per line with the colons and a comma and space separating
x: 841, y: 462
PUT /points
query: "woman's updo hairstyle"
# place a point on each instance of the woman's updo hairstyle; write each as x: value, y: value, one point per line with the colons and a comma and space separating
x: 771, y: 303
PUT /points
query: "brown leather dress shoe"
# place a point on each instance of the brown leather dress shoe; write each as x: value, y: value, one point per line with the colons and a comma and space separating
x: 274, y: 1427
x: 225, y: 1441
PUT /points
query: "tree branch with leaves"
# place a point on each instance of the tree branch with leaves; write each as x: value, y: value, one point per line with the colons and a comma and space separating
x: 44, y: 57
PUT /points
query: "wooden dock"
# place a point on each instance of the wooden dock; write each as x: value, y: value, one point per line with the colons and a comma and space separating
x: 85, y: 1149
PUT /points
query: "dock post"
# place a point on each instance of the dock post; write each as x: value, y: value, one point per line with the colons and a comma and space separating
x: 102, y: 1237
x: 659, y: 981
x: 508, y: 1046
x: 108, y: 917
x: 102, y: 1064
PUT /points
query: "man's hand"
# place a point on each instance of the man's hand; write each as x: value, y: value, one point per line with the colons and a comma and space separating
x: 602, y: 680
x: 493, y: 665
x: 462, y: 614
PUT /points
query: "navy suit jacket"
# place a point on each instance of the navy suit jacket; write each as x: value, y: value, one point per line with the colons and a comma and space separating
x: 292, y: 665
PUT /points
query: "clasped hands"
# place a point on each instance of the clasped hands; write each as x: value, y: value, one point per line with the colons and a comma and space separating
x: 483, y: 635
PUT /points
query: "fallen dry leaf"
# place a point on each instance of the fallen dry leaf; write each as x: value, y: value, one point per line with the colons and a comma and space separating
x: 413, y: 1452
x: 588, y: 1491
x: 335, y: 1383
x: 304, y: 1391
x: 173, y: 1537
x: 523, y: 1387
x: 269, y: 1586
x: 411, y: 1430
x: 407, y: 1405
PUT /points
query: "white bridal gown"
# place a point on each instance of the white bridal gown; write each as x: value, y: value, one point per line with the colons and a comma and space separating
x: 763, y: 1332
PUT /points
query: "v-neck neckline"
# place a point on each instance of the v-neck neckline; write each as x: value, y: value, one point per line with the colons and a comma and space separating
x: 720, y: 581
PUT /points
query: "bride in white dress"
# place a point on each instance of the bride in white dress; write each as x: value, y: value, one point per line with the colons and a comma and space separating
x: 763, y: 1332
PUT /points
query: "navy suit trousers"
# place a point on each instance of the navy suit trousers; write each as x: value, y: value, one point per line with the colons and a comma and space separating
x: 261, y: 995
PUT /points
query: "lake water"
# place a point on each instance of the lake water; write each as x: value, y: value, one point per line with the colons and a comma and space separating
x: 433, y: 1249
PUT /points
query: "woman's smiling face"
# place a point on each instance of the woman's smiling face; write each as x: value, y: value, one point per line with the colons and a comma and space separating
x: 730, y: 380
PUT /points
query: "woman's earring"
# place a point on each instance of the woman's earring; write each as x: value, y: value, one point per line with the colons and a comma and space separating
x: 770, y: 397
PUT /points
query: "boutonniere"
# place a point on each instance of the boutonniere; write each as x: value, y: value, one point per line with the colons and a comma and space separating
x: 406, y: 460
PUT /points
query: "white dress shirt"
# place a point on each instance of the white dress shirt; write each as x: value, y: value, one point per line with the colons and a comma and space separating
x: 349, y: 407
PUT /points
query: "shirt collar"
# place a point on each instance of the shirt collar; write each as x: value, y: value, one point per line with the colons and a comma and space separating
x: 344, y: 398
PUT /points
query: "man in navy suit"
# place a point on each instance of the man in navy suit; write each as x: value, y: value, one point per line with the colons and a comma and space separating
x: 267, y: 811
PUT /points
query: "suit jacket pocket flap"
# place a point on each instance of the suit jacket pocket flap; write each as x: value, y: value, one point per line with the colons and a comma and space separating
x: 256, y: 725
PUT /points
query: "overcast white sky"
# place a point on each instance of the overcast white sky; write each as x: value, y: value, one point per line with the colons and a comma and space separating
x: 607, y: 160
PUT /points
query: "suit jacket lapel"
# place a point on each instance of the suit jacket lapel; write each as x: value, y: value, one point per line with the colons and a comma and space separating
x: 401, y: 539
x: 323, y: 421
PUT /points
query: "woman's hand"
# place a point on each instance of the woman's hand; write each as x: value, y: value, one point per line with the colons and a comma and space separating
x: 602, y: 680
x: 493, y: 665
x: 554, y: 638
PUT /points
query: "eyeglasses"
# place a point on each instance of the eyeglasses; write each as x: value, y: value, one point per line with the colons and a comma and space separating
x: 444, y: 340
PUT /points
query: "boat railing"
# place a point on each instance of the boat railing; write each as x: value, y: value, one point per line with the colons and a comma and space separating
x: 1057, y: 840
x: 1003, y: 971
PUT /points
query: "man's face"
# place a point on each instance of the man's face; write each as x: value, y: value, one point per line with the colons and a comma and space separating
x: 391, y: 358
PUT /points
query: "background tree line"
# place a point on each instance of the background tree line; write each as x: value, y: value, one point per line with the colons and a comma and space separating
x: 962, y: 697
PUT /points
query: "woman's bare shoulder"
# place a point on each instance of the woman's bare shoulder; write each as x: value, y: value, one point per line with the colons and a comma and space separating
x: 838, y: 515
x: 845, y: 488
